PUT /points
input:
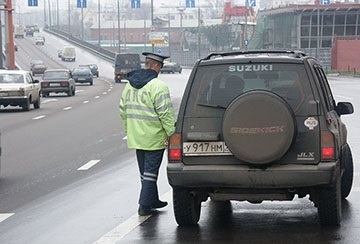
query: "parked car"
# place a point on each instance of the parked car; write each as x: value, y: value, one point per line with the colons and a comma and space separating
x: 259, y: 126
x: 39, y: 40
x: 57, y: 81
x: 171, y: 67
x: 82, y: 75
x: 93, y: 67
x: 38, y: 68
x: 19, y: 88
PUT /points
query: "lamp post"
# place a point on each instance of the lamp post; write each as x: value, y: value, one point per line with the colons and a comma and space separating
x: 199, y: 32
x: 69, y: 22
x: 57, y: 14
x: 82, y: 22
x: 181, y: 11
x: 119, y: 17
x: 318, y: 30
x: 99, y: 36
x: 152, y: 22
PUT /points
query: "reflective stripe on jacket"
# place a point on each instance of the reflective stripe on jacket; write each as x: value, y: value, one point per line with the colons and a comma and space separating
x: 148, y: 115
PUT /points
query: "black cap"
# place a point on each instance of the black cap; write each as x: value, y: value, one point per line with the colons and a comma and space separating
x: 157, y: 57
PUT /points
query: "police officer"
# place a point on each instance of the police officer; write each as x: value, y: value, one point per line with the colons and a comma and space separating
x: 149, y: 119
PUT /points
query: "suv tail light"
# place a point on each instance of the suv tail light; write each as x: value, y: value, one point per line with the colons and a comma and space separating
x: 327, y: 146
x: 64, y: 83
x: 175, y: 148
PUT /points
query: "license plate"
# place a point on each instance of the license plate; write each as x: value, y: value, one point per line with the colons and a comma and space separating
x: 54, y: 84
x: 205, y: 148
x: 81, y: 79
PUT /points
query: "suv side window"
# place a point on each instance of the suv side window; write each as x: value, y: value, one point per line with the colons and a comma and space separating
x: 325, y: 88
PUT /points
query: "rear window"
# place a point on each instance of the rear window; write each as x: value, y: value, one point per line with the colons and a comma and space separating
x: 11, y: 78
x: 56, y: 74
x: 128, y: 61
x: 216, y: 86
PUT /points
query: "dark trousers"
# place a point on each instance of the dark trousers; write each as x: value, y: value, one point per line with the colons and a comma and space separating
x: 149, y: 163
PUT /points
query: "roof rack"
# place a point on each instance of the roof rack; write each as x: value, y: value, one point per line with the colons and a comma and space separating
x: 295, y: 53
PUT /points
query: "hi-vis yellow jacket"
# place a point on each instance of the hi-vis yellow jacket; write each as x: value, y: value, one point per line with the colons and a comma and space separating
x: 147, y: 113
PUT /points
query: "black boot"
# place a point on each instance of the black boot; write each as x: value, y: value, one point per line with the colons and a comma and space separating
x: 159, y: 204
x: 145, y: 210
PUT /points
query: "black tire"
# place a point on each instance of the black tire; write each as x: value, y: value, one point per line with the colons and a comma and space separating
x: 37, y: 103
x: 259, y: 119
x: 187, y: 207
x: 348, y: 172
x: 329, y: 203
x: 91, y: 83
x: 26, y: 105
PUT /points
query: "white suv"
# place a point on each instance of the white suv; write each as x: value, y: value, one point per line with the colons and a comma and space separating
x: 18, y: 88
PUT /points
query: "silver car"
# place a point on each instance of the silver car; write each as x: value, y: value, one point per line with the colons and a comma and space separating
x: 18, y: 88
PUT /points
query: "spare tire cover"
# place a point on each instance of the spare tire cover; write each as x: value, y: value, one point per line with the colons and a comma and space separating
x: 258, y: 127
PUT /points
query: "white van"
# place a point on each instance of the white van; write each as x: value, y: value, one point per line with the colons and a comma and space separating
x: 68, y: 54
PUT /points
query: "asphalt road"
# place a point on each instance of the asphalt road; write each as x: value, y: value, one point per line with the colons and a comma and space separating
x: 67, y: 176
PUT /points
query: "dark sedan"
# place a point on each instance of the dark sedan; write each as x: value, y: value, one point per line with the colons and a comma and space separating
x: 171, y: 67
x: 93, y: 67
x: 57, y: 81
x: 82, y: 75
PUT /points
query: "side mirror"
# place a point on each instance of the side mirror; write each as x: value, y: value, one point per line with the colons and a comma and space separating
x: 344, y: 108
x: 36, y: 81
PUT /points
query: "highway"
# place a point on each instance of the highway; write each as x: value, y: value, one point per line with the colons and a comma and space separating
x: 67, y: 176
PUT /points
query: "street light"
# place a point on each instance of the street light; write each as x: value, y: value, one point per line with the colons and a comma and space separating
x: 99, y: 24
x: 118, y: 13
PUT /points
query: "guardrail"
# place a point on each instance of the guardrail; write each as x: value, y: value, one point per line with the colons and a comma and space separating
x: 98, y: 51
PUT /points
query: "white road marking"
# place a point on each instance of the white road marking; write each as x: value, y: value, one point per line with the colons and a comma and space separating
x: 116, y: 234
x: 4, y: 216
x: 97, y: 97
x: 39, y: 117
x: 88, y: 165
x: 104, y: 93
x: 125, y: 138
x: 49, y: 100
x: 86, y: 101
x: 67, y: 108
x: 77, y: 91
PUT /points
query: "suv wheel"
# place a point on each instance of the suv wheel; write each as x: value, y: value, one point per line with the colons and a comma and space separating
x: 259, y: 127
x: 329, y: 203
x: 186, y: 207
x: 347, y: 176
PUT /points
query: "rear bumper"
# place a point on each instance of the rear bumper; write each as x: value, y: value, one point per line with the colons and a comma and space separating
x: 245, y: 177
x: 80, y: 80
x: 55, y: 89
x: 13, y: 100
